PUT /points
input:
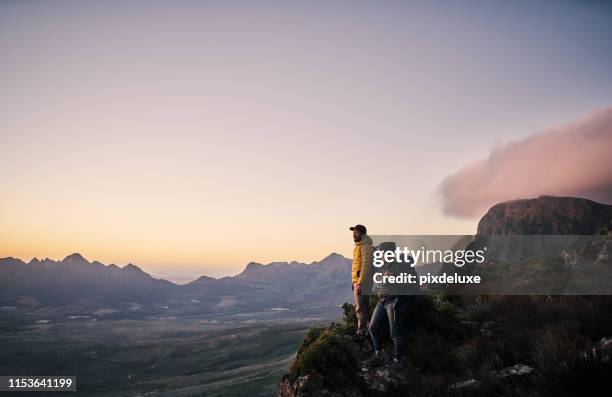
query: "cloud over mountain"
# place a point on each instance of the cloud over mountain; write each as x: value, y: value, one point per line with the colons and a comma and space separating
x: 570, y: 160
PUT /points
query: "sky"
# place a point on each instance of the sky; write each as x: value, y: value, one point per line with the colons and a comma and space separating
x: 191, y: 137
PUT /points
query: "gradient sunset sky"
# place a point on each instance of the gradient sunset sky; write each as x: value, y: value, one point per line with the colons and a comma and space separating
x: 192, y: 137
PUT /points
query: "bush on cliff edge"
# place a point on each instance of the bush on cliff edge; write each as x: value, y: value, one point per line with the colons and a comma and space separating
x: 329, y: 353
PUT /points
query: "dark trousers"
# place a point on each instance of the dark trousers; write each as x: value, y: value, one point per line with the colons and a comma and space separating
x: 387, y: 309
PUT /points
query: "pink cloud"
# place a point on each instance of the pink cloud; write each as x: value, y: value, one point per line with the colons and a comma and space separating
x: 571, y: 160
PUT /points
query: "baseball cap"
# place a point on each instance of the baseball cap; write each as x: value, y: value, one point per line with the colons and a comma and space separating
x: 360, y: 228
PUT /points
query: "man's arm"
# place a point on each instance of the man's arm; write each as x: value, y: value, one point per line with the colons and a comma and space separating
x: 366, y: 262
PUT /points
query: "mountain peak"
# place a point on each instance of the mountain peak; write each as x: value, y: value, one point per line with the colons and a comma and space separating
x: 75, y: 258
x: 333, y: 259
x: 253, y: 265
x: 332, y: 256
x: 203, y: 280
x: 10, y: 259
x: 546, y: 215
x: 132, y: 268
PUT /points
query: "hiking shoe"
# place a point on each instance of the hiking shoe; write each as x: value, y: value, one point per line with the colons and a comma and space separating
x: 358, y: 338
x: 397, y: 363
x: 377, y: 359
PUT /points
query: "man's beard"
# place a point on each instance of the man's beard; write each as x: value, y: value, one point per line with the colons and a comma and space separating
x: 356, y: 239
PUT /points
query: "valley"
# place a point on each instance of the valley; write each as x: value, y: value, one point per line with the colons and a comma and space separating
x: 236, y: 354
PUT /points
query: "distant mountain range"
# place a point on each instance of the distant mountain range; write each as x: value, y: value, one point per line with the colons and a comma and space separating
x: 78, y: 282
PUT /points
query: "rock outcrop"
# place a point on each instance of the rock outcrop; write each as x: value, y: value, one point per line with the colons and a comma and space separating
x: 546, y: 215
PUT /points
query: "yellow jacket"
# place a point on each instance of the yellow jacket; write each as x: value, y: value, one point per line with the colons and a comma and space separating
x: 362, y: 259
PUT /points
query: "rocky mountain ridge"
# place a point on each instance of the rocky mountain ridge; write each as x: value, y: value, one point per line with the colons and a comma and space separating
x: 546, y: 215
x: 75, y: 280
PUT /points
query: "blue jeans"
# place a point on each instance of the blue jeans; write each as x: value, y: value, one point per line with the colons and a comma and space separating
x: 387, y: 307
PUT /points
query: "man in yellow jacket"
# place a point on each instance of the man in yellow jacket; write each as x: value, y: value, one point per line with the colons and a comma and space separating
x: 362, y: 264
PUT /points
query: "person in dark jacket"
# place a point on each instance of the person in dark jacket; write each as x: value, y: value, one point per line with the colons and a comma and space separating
x: 391, y: 299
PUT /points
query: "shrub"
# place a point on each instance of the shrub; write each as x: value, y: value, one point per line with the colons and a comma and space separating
x: 431, y: 352
x: 312, y: 335
x: 328, y: 354
x: 477, y: 354
x: 349, y: 319
x: 567, y: 366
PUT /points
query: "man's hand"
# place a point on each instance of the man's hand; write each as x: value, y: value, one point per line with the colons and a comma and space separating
x: 357, y: 288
